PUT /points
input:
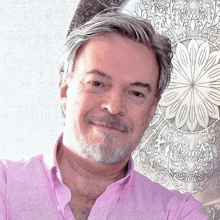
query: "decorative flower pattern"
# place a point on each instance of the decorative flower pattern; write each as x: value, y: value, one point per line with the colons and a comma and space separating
x: 193, y: 95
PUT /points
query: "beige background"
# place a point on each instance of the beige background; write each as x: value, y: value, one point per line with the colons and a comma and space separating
x: 31, y: 37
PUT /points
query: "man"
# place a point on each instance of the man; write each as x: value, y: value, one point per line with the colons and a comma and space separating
x: 113, y: 72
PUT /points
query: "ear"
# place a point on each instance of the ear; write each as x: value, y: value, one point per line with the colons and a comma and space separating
x: 63, y: 87
x: 63, y: 90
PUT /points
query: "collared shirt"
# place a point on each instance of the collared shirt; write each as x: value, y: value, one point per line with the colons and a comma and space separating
x: 33, y: 190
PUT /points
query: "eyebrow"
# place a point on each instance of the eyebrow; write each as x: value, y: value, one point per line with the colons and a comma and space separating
x: 99, y: 72
x: 144, y: 85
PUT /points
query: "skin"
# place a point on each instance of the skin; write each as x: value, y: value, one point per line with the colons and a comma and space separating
x: 109, y: 103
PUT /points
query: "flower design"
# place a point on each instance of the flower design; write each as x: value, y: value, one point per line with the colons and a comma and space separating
x: 193, y: 95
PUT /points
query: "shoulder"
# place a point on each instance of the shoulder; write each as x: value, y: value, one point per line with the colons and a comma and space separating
x: 26, y: 161
x: 19, y: 176
x: 12, y: 176
x: 154, y: 189
x: 26, y: 184
x: 3, y: 170
x: 177, y: 205
x: 18, y: 168
x: 3, y: 177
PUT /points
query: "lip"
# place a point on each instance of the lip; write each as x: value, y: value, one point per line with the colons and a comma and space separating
x: 109, y: 127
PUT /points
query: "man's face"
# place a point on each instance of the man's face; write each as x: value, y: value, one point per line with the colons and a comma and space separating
x: 111, y: 98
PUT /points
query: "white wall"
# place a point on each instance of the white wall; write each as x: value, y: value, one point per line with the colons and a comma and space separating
x: 31, y: 37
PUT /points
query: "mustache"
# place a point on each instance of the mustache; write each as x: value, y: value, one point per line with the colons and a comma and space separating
x: 111, y: 121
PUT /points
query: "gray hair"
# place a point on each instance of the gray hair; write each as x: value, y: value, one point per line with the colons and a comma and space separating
x: 127, y: 26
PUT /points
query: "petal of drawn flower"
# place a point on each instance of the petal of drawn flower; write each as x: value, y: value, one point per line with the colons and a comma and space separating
x: 183, y: 110
x: 201, y: 110
x: 177, y: 88
x: 209, y: 85
x: 170, y: 96
x: 211, y: 94
x: 192, y: 49
x: 213, y: 60
x: 192, y: 120
x: 213, y: 74
x: 210, y: 78
x: 184, y: 61
x: 213, y: 110
x: 201, y: 60
x: 179, y: 78
x: 172, y: 109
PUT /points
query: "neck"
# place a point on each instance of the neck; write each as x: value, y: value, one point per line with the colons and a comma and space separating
x: 80, y: 173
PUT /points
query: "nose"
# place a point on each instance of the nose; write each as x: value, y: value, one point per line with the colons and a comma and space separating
x: 114, y: 103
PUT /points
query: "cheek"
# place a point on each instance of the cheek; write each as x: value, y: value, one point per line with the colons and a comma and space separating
x: 80, y: 104
x: 142, y: 120
x: 74, y: 98
x: 72, y: 108
x: 141, y: 117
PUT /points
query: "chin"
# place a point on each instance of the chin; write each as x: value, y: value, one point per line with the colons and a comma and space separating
x: 106, y: 154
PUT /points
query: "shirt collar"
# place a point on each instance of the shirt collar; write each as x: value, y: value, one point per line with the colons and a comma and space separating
x: 50, y: 159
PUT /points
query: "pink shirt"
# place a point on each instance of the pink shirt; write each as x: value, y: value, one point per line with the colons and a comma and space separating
x: 33, y: 190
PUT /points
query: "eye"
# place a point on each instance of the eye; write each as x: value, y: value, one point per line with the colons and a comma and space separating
x: 137, y: 94
x: 95, y: 86
x: 96, y: 83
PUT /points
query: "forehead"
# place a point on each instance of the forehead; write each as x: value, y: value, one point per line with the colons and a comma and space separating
x: 118, y: 56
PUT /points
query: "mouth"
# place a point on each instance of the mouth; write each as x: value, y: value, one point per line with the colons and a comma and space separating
x: 111, y: 127
x: 111, y: 123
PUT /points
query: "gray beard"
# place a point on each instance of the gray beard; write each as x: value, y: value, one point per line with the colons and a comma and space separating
x: 104, y: 152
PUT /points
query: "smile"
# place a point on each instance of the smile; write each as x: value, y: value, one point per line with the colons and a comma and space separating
x: 111, y: 127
